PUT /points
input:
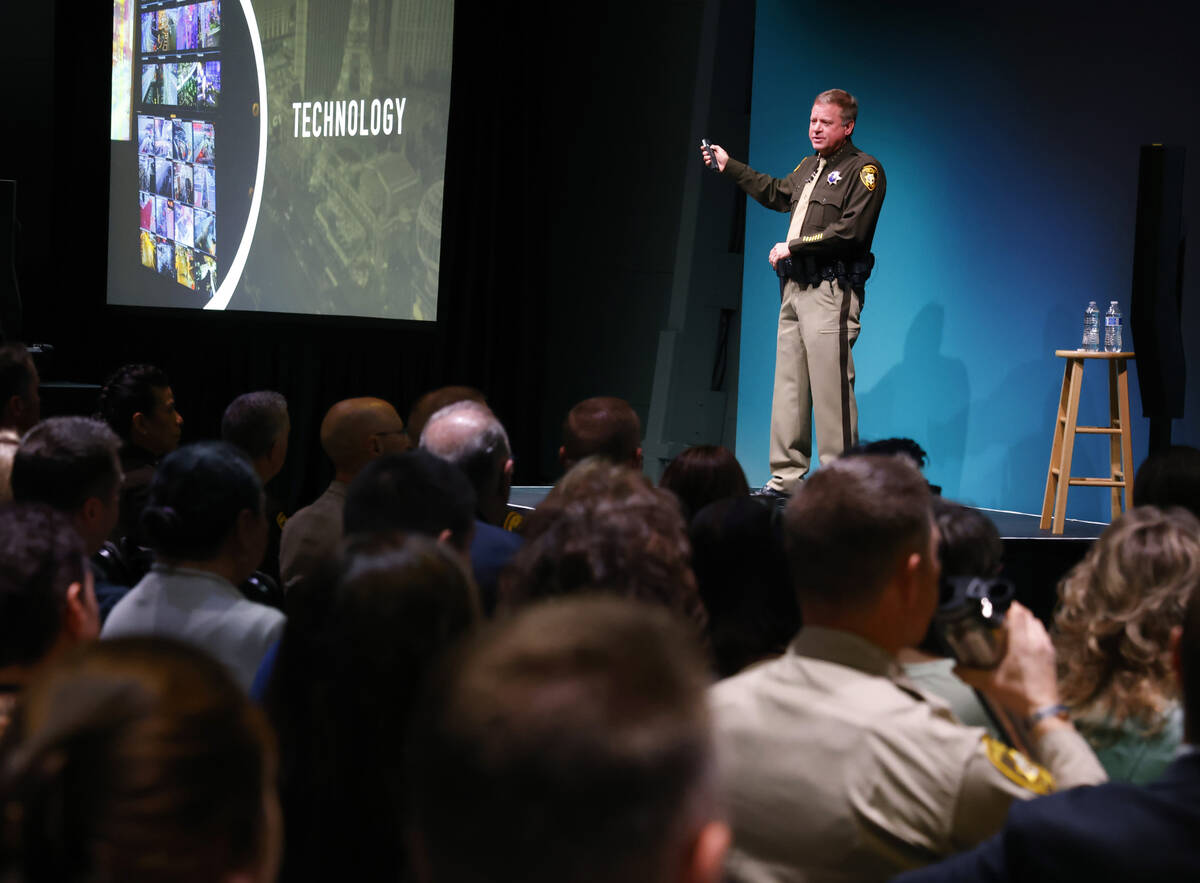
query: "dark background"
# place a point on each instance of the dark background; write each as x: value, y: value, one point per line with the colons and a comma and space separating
x: 567, y: 148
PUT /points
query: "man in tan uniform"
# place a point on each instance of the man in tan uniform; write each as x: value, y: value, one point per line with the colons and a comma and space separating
x: 834, y: 765
x: 834, y: 197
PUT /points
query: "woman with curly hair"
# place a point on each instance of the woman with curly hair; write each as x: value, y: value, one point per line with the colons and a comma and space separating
x: 1117, y: 609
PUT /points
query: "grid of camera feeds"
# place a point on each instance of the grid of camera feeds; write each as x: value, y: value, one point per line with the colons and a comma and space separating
x: 177, y: 199
x: 179, y: 48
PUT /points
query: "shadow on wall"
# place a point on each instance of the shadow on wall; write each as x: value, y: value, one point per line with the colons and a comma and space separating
x: 926, y: 397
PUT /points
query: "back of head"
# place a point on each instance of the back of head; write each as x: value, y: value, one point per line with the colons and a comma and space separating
x: 17, y: 379
x: 64, y: 461
x: 850, y: 524
x: 414, y: 491
x: 968, y: 542
x: 356, y: 431
x: 138, y: 760
x: 433, y: 401
x: 703, y: 474
x: 195, y: 498
x: 605, y: 529
x: 1169, y: 478
x: 570, y: 743
x: 254, y: 421
x: 743, y: 580
x: 602, y: 427
x: 1116, y: 611
x: 128, y: 391
x: 470, y: 436
x: 41, y: 555
x: 395, y: 603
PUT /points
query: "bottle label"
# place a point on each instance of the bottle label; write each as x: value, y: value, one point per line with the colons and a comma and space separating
x: 1112, y: 320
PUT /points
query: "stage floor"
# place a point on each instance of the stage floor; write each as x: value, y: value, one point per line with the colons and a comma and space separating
x: 1012, y: 525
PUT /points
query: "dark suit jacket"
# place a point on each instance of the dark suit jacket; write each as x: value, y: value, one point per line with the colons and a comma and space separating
x: 491, y: 550
x: 1107, y: 832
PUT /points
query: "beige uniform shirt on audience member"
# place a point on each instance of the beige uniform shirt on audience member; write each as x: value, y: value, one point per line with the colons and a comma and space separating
x: 834, y: 767
x: 312, y: 536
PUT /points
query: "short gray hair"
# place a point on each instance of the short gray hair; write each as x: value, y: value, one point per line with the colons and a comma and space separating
x: 481, y: 455
x: 254, y: 420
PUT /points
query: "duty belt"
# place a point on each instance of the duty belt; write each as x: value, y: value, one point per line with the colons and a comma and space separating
x: 810, y: 272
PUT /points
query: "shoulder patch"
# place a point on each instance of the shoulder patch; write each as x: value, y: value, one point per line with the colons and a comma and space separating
x: 869, y: 175
x: 1018, y: 768
x: 280, y: 519
x: 514, y: 521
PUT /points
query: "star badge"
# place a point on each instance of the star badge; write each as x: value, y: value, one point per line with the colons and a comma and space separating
x: 834, y: 177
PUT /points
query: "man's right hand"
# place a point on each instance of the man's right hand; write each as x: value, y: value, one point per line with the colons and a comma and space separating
x: 719, y: 155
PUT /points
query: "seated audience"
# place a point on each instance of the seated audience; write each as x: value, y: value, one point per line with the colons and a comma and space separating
x: 414, y: 492
x: 968, y: 546
x: 258, y: 424
x: 342, y: 694
x: 468, y: 435
x: 741, y: 572
x: 432, y: 402
x: 1169, y: 478
x: 47, y: 605
x: 1117, y: 609
x: 204, y: 519
x: 71, y: 463
x: 139, y: 405
x: 1116, y: 832
x: 139, y: 760
x: 704, y: 474
x: 602, y: 427
x: 353, y: 433
x: 835, y: 766
x: 20, y: 406
x: 569, y: 744
x: 603, y: 528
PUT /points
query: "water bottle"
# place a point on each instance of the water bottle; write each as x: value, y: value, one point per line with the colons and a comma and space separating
x: 1112, y: 329
x: 1091, y: 328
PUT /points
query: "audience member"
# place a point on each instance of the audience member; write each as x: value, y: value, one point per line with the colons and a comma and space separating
x: 968, y: 546
x: 742, y: 576
x: 570, y: 744
x: 468, y: 435
x: 1117, y: 609
x: 432, y: 402
x: 1115, y: 832
x: 47, y: 605
x: 604, y: 529
x: 139, y: 405
x: 353, y: 433
x: 72, y: 464
x: 139, y: 760
x: 414, y: 492
x: 704, y: 474
x: 258, y: 424
x: 1169, y: 478
x: 204, y: 519
x: 602, y: 427
x: 342, y: 695
x: 836, y: 766
x: 20, y: 405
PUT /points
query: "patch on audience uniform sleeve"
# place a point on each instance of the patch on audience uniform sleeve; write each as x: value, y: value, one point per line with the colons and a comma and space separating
x: 514, y: 521
x: 280, y: 519
x: 1018, y: 768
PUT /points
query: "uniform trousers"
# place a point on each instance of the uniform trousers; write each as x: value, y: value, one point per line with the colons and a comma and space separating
x: 814, y: 379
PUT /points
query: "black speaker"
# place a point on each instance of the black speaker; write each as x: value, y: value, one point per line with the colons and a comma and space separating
x: 1157, y: 296
x: 10, y: 297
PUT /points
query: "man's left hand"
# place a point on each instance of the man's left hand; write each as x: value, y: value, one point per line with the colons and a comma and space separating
x: 778, y: 253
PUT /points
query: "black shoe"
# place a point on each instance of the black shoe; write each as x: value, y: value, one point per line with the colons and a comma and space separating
x: 769, y: 496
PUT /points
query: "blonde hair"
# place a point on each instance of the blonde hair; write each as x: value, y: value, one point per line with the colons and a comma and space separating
x: 1116, y: 611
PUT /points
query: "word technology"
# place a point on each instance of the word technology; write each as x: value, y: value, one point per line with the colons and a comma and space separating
x: 339, y: 119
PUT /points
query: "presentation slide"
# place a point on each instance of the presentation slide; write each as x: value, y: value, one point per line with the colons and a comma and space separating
x: 282, y: 156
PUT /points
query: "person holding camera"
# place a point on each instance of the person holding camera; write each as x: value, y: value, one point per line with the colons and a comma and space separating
x: 834, y: 764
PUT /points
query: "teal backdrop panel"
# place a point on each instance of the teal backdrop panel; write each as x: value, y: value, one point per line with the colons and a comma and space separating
x: 1010, y: 143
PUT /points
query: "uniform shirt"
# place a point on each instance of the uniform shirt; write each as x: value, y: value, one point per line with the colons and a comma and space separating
x: 312, y: 536
x: 834, y: 767
x: 203, y: 609
x: 843, y: 208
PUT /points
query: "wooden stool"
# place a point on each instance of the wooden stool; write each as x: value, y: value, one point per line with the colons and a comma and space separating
x: 1120, y: 447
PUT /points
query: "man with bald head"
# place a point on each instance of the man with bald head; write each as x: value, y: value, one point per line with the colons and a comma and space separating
x: 470, y: 436
x: 353, y: 433
x: 603, y: 426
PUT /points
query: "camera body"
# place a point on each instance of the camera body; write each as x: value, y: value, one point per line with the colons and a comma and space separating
x: 969, y: 622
